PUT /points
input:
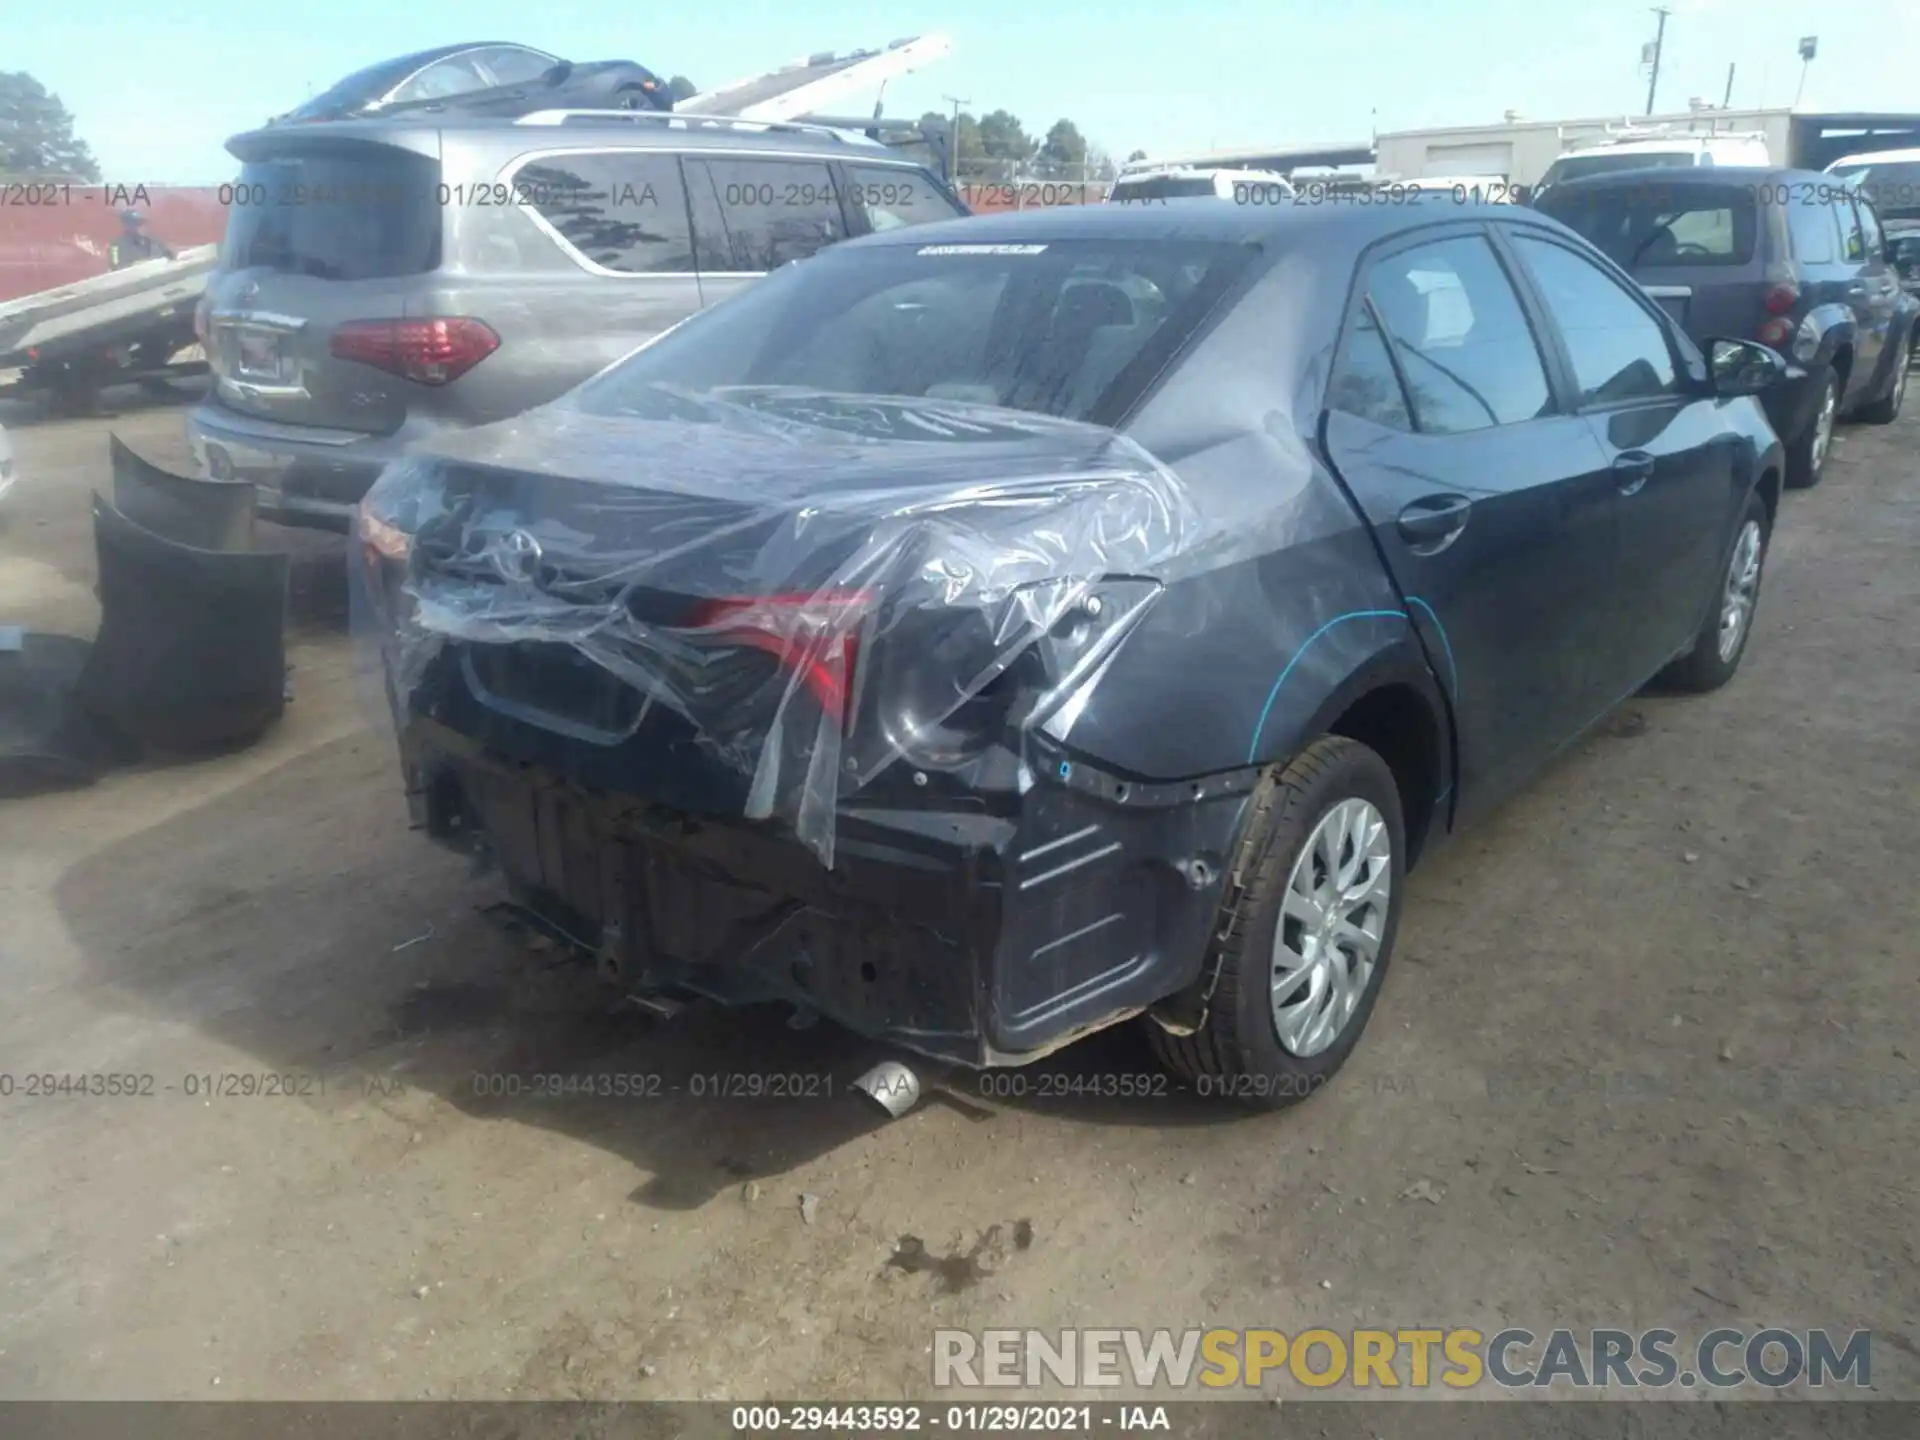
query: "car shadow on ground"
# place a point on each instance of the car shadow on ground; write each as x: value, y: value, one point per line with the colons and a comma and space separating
x: 298, y: 921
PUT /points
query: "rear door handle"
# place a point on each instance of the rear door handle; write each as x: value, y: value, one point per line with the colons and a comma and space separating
x: 1430, y: 523
x: 1632, y: 470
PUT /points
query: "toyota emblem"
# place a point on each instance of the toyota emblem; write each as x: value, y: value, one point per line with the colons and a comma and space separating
x: 516, y: 557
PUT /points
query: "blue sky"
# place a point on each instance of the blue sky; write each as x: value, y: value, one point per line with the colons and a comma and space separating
x: 156, y: 87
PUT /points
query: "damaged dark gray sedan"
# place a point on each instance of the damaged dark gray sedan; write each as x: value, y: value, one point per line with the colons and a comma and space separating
x: 985, y: 634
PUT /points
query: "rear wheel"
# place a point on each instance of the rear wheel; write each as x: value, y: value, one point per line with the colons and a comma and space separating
x: 1887, y: 408
x: 1807, y: 452
x: 1303, y: 946
x: 1723, y: 635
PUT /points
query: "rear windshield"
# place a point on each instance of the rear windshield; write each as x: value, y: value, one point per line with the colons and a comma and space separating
x: 1162, y: 187
x: 1893, y: 189
x: 1574, y: 167
x: 359, y: 212
x: 1072, y: 329
x: 1661, y: 226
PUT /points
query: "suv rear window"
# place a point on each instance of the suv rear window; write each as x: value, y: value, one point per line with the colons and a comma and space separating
x: 1661, y: 226
x: 1070, y: 329
x: 347, y: 212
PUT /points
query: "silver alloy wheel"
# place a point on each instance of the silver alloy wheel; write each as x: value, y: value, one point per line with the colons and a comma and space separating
x: 1823, y: 424
x: 1332, y: 919
x: 1743, y: 586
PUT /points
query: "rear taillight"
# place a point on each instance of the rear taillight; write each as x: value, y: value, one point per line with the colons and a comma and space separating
x: 1775, y: 332
x: 814, y: 637
x: 1782, y: 298
x: 429, y: 352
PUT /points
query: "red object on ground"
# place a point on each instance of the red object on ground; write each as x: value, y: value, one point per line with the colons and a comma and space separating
x: 65, y: 236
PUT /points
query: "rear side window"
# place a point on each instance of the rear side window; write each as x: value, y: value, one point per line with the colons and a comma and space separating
x: 455, y: 75
x: 1469, y: 355
x: 1870, y: 228
x: 1619, y: 352
x: 891, y: 197
x: 771, y: 211
x: 366, y: 212
x: 1662, y: 226
x: 1810, y: 221
x: 1853, y: 244
x: 511, y: 65
x: 623, y: 210
x: 1365, y: 384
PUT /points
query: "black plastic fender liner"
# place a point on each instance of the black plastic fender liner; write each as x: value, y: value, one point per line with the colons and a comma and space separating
x: 206, y: 514
x: 46, y: 743
x: 191, y: 653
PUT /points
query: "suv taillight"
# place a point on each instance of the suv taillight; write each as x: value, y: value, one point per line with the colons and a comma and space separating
x: 1777, y: 329
x: 431, y: 352
x: 1782, y: 298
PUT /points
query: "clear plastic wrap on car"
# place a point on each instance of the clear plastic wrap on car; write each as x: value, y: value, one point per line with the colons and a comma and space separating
x: 822, y: 588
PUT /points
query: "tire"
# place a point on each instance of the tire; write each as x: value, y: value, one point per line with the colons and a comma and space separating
x: 1709, y: 665
x: 1806, y: 455
x: 1237, y: 1054
x: 1886, y: 409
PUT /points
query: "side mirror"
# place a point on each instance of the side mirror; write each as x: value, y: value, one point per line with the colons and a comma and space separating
x: 1743, y: 367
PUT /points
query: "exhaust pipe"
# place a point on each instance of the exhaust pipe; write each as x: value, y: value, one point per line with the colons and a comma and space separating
x: 891, y: 1086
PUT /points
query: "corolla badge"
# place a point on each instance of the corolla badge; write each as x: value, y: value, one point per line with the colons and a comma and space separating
x: 515, y: 557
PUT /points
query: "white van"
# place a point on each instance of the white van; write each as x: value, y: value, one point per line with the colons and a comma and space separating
x: 1152, y: 184
x: 1640, y: 151
x: 1888, y: 178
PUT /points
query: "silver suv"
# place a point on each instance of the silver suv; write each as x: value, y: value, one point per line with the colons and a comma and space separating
x: 382, y: 281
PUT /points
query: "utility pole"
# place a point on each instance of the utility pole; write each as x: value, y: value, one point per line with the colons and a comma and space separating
x: 953, y: 139
x: 1809, y: 47
x: 1726, y: 100
x: 1659, y: 39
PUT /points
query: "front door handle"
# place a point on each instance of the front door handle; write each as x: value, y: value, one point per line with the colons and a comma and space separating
x: 1430, y: 523
x: 1632, y: 470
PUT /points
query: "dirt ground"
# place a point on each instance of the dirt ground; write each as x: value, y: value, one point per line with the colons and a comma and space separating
x: 1650, y: 1040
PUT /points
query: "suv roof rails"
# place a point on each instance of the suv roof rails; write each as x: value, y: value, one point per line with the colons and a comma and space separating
x: 669, y: 118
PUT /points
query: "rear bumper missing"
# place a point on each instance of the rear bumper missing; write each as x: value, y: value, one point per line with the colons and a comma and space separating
x: 982, y: 938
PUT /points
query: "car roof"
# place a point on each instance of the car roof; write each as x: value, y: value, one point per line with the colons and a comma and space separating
x: 639, y: 130
x: 1334, y: 222
x: 1879, y: 157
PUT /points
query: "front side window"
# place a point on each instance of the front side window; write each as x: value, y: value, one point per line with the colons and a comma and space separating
x: 623, y: 210
x: 1464, y: 343
x: 1619, y: 351
x: 772, y: 211
x: 892, y: 197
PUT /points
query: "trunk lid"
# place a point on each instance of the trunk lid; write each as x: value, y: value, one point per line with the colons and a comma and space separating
x: 323, y: 232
